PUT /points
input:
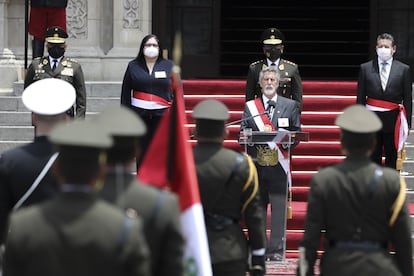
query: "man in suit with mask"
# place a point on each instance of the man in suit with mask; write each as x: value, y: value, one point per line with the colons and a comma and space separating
x: 56, y: 65
x: 272, y: 160
x: 290, y: 84
x: 385, y: 87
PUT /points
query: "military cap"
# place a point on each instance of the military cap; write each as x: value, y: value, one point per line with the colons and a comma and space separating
x: 272, y: 36
x: 357, y: 119
x: 80, y: 134
x: 121, y: 121
x: 211, y: 110
x: 56, y: 35
x: 49, y: 96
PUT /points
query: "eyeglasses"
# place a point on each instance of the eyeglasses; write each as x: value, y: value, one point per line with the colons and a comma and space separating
x: 150, y: 44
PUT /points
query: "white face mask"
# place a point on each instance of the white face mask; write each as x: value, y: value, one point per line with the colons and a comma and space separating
x: 151, y: 52
x: 384, y: 53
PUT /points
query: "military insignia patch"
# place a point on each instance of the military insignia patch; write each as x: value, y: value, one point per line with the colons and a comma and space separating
x: 45, y: 61
x: 281, y: 67
x: 267, y: 156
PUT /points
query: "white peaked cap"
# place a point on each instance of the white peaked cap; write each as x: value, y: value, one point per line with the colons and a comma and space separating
x: 49, y: 96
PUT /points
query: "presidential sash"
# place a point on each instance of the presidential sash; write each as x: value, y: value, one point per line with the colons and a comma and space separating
x: 266, y: 155
x: 401, y: 125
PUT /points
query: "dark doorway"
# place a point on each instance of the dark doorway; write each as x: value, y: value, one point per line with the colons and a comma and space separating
x: 199, y: 24
x: 328, y: 39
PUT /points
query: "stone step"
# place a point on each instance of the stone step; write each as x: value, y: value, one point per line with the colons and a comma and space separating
x: 94, y: 104
x: 93, y: 88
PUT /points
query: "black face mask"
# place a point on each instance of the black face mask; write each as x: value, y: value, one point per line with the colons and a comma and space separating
x: 56, y: 51
x: 273, y: 53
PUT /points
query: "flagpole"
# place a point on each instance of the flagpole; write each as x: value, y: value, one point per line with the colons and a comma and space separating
x: 26, y: 27
x: 176, y: 82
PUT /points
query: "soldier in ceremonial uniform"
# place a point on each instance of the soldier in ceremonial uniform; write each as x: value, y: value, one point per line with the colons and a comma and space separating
x: 290, y: 84
x: 229, y: 194
x: 75, y: 233
x: 159, y: 209
x: 56, y: 65
x: 361, y: 207
x: 272, y: 160
x: 25, y: 175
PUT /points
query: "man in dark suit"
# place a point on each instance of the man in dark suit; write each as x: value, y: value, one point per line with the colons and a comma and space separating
x: 56, y: 65
x: 22, y: 182
x: 359, y: 208
x: 229, y: 194
x: 385, y: 87
x: 76, y: 233
x: 159, y: 209
x: 290, y: 84
x: 272, y: 160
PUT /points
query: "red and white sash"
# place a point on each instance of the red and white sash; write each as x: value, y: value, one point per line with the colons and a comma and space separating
x: 401, y: 125
x: 256, y: 107
x: 148, y: 101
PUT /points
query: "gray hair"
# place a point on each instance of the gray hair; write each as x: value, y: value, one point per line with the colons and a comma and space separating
x: 386, y: 36
x: 269, y: 69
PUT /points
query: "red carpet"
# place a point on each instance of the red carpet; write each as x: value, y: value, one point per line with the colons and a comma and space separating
x: 322, y: 102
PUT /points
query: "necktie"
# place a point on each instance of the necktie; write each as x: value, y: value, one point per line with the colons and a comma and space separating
x: 273, y: 64
x: 270, y: 107
x: 383, y: 75
x: 55, y: 61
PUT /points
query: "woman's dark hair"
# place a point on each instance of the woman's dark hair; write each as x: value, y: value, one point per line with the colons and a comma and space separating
x: 140, y: 56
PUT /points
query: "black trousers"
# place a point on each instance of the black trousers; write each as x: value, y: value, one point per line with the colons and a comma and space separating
x: 232, y: 268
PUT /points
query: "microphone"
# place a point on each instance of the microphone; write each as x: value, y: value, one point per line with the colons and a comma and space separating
x: 247, y: 118
x: 271, y: 105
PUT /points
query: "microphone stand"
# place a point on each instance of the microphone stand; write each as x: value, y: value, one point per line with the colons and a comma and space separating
x: 247, y: 118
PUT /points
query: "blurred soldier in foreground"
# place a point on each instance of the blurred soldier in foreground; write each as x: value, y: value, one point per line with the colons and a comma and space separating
x: 25, y: 175
x: 75, y: 233
x: 362, y: 208
x: 158, y: 208
x: 229, y: 194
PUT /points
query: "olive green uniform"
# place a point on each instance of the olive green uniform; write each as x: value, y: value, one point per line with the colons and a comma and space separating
x: 75, y: 234
x: 69, y: 70
x: 290, y: 84
x: 160, y: 213
x: 354, y: 208
x: 229, y: 191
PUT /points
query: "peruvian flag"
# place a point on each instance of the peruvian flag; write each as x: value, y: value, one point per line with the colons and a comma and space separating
x: 169, y: 164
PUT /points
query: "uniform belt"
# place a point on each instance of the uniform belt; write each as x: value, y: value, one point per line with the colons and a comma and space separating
x: 218, y: 222
x: 361, y: 245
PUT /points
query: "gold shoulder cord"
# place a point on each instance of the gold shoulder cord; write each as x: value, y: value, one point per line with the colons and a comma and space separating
x: 399, y: 201
x: 252, y: 177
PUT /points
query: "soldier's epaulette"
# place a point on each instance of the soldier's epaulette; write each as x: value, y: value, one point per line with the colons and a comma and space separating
x: 71, y: 60
x: 37, y: 58
x: 290, y: 62
x: 256, y: 62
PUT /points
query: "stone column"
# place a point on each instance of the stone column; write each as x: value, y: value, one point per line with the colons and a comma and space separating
x: 11, y: 44
x: 131, y: 22
x: 3, y: 24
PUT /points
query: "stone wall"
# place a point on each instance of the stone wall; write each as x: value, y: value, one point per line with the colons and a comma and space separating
x: 103, y: 36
